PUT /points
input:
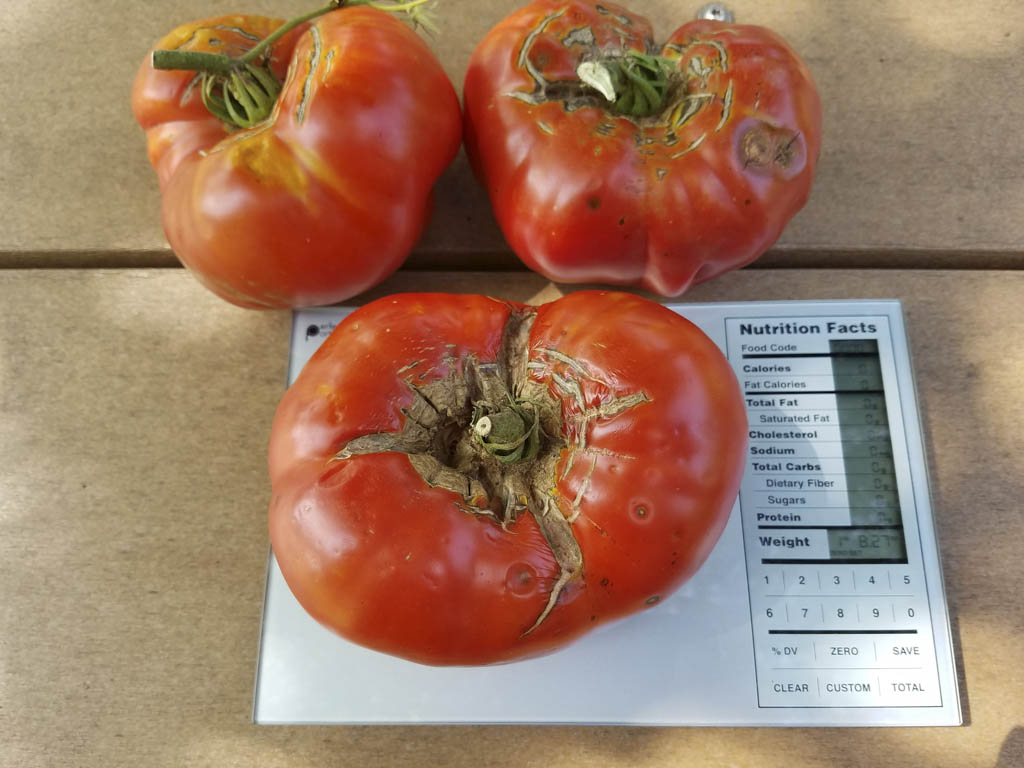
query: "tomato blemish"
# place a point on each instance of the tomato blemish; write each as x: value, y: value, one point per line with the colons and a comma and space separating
x: 330, y: 473
x: 520, y: 579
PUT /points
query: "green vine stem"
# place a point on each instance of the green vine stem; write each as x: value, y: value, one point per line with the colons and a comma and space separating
x: 241, y: 92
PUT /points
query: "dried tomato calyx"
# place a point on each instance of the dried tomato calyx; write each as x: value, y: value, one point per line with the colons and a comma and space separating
x: 501, y: 433
x: 510, y: 434
x: 637, y: 84
x: 485, y: 431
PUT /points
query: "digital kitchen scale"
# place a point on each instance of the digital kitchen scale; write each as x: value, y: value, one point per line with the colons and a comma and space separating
x: 822, y: 604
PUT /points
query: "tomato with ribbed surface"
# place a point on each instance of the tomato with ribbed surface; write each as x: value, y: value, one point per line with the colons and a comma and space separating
x: 304, y: 176
x: 611, y: 157
x: 466, y: 480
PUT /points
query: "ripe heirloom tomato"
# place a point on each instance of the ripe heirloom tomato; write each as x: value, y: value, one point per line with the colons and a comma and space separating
x: 609, y: 157
x: 465, y: 480
x: 327, y: 190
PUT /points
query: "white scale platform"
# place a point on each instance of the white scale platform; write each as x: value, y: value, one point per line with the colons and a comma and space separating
x: 822, y: 604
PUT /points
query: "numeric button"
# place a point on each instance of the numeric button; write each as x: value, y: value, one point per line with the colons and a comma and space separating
x: 873, y: 581
x: 902, y: 581
x: 770, y: 581
x: 801, y: 582
x: 805, y: 614
x: 841, y: 614
x: 836, y: 581
x: 906, y: 612
x: 874, y: 613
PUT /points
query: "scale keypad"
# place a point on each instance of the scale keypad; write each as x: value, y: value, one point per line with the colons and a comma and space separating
x: 838, y: 607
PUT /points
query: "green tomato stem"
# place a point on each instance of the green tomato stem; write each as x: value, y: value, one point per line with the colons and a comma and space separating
x: 194, y: 61
x: 242, y: 93
x: 636, y: 84
x: 510, y: 434
x: 288, y: 26
x: 219, y: 64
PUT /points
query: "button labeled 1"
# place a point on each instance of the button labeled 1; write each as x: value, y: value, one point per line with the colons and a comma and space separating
x: 770, y: 582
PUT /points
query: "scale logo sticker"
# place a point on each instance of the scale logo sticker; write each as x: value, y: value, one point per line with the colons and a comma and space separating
x: 838, y: 606
x: 320, y: 330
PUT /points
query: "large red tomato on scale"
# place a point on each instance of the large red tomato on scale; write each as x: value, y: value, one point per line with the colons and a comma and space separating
x: 465, y: 480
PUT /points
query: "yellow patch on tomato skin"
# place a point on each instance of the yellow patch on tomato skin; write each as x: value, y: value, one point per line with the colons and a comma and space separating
x: 177, y: 37
x: 199, y: 36
x: 323, y: 173
x: 333, y: 398
x: 271, y: 162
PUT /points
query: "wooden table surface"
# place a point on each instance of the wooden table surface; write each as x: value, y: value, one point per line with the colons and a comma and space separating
x: 920, y: 167
x: 135, y: 406
x: 134, y: 415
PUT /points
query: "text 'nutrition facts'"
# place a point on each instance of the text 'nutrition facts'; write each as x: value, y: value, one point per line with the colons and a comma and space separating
x: 839, y: 605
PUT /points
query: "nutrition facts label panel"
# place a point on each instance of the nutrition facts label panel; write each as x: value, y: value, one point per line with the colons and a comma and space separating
x: 842, y: 613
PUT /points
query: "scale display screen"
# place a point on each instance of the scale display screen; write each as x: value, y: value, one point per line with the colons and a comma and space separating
x: 822, y: 603
x: 867, y: 545
x: 850, y: 411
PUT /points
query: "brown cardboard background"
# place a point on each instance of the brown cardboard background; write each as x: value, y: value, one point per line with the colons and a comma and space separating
x: 134, y: 413
x: 921, y: 164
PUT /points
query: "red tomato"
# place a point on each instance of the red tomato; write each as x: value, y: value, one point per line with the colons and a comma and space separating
x: 408, y: 518
x: 703, y: 184
x: 327, y: 196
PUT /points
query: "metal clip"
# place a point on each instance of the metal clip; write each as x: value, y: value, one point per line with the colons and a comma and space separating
x: 716, y: 12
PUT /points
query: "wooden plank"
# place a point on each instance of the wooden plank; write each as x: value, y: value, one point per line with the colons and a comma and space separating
x: 919, y: 160
x: 134, y: 413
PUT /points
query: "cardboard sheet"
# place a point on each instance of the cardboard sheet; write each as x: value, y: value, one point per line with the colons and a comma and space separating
x: 134, y: 413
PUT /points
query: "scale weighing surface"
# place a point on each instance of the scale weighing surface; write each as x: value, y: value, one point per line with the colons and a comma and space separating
x: 822, y: 604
